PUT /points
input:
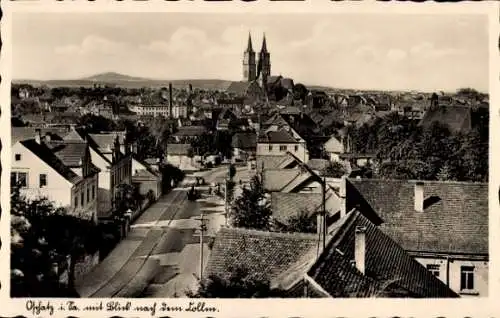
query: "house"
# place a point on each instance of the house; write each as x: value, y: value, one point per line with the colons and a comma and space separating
x: 334, y: 147
x: 360, y: 260
x: 50, y: 133
x: 357, y: 159
x: 318, y: 165
x: 251, y: 91
x: 41, y: 172
x: 289, y: 204
x: 265, y: 255
x: 443, y: 225
x: 180, y: 156
x: 225, y: 119
x: 111, y: 153
x: 146, y: 178
x: 180, y: 110
x: 244, y: 145
x: 187, y: 133
x: 279, y: 142
x: 357, y: 260
x: 151, y: 110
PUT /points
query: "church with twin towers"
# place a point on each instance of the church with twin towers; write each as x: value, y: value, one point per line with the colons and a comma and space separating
x: 254, y: 69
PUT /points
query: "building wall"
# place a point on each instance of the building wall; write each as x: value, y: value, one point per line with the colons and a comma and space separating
x: 146, y: 185
x: 89, y: 208
x: 265, y: 149
x: 179, y: 111
x: 104, y: 183
x: 151, y: 110
x: 480, y: 274
x: 58, y: 189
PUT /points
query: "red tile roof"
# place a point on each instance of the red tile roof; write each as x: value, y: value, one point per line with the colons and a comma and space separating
x: 277, y: 137
x: 45, y: 154
x: 244, y: 140
x: 389, y: 270
x: 455, y: 218
x: 264, y: 254
x: 70, y: 153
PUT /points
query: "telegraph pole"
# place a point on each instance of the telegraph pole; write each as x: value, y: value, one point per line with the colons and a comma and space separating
x: 323, y: 212
x: 202, y: 230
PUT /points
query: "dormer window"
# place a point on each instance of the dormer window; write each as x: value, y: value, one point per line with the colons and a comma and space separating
x: 18, y: 157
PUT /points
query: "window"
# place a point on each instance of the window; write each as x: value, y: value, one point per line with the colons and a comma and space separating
x: 270, y: 147
x: 296, y: 148
x: 76, y: 200
x: 18, y: 157
x: 82, y: 198
x: 434, y: 269
x: 88, y: 194
x: 19, y: 178
x: 282, y: 148
x: 93, y: 191
x: 43, y: 180
x: 466, y: 277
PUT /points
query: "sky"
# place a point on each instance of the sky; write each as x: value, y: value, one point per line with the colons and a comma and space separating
x: 358, y: 51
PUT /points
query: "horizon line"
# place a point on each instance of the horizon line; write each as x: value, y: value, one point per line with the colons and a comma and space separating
x: 86, y: 78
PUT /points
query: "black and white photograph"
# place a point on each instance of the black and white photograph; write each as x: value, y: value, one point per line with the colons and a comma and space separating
x: 249, y: 155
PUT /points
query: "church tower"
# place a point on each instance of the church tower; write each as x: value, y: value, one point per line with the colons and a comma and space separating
x: 249, y: 67
x: 264, y: 68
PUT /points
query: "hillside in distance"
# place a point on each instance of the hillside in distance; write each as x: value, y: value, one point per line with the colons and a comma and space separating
x: 126, y: 81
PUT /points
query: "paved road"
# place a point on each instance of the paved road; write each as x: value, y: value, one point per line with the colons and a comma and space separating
x: 179, y: 250
x: 160, y: 257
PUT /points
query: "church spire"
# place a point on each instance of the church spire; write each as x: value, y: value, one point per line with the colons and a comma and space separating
x: 249, y: 46
x: 264, y: 46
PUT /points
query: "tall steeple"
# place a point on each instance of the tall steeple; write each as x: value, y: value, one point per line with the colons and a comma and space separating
x: 264, y: 65
x: 264, y: 46
x: 249, y: 63
x: 249, y: 46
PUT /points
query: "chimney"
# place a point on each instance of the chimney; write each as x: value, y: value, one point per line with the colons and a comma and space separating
x: 419, y: 196
x: 170, y: 99
x: 360, y: 248
x: 38, y: 136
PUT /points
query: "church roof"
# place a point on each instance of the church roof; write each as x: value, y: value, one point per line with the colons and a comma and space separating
x: 264, y: 46
x: 249, y: 46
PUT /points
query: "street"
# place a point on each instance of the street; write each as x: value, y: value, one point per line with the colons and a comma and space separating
x: 160, y: 257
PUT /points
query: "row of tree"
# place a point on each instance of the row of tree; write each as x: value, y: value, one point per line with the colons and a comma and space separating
x: 406, y: 150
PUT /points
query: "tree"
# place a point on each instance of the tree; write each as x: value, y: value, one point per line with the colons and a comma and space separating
x: 127, y: 197
x: 304, y: 222
x: 96, y: 124
x: 238, y: 284
x: 251, y: 210
x: 335, y: 170
x: 42, y: 237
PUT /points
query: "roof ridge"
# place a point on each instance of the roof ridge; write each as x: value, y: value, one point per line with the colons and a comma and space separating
x: 309, y: 236
x: 416, y: 180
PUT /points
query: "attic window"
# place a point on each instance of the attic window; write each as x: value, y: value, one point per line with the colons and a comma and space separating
x: 18, y: 157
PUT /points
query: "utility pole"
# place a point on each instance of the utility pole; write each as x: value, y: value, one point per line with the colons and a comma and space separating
x: 202, y: 230
x: 323, y: 212
x: 225, y: 200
